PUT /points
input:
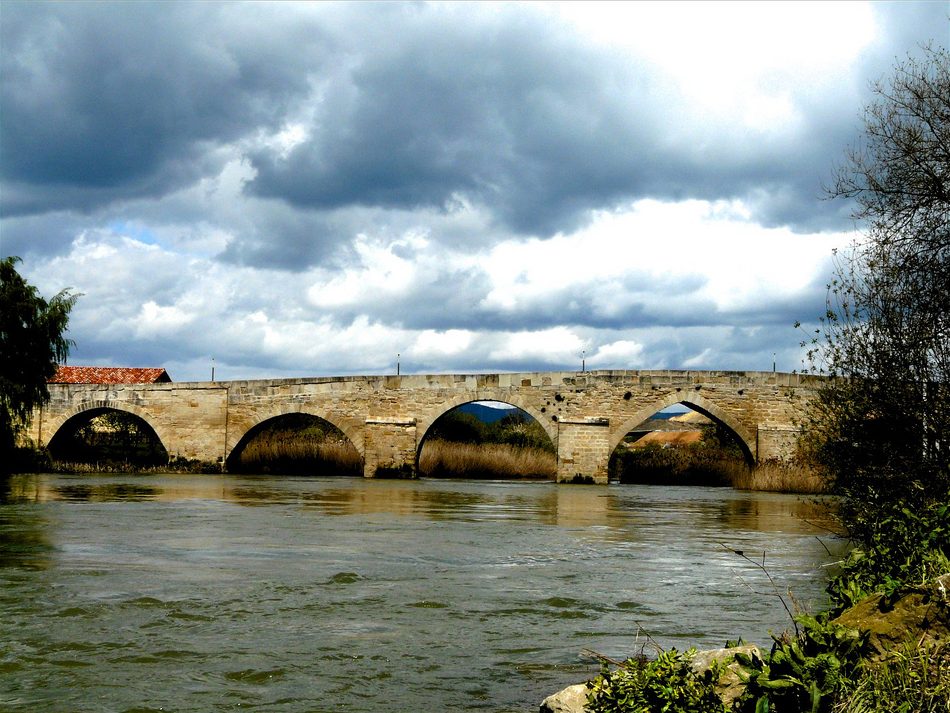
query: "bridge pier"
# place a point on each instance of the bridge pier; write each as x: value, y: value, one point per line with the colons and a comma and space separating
x: 583, y: 449
x: 390, y: 447
x: 775, y: 442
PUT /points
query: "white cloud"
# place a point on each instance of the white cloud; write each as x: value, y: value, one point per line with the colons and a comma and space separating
x: 431, y: 343
x: 709, y: 252
x: 156, y: 320
x: 381, y: 273
x: 622, y: 354
x: 748, y: 64
x: 558, y: 345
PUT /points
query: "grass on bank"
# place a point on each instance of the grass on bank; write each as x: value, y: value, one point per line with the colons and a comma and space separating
x: 175, y: 465
x: 778, y: 477
x: 912, y: 679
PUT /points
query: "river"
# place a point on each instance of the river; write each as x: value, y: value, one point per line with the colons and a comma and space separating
x: 211, y: 593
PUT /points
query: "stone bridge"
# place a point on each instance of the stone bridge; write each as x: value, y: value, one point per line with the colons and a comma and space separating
x: 586, y: 414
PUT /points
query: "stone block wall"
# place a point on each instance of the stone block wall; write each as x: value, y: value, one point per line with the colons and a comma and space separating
x: 586, y: 414
x: 390, y: 449
x: 583, y: 450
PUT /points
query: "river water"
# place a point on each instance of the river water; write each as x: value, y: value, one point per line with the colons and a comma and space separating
x: 213, y: 593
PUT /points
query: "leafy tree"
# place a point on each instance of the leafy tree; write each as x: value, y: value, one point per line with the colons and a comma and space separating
x: 881, y: 428
x: 459, y: 427
x: 31, y: 345
x: 111, y: 437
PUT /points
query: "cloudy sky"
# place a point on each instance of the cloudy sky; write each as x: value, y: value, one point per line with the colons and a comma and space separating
x: 311, y: 189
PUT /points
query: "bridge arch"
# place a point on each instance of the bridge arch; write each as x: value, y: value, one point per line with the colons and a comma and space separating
x: 425, y: 422
x: 55, y: 425
x: 237, y: 432
x: 498, y: 455
x: 698, y: 403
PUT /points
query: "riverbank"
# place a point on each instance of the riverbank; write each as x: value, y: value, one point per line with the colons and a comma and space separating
x: 877, y: 653
x: 446, y: 459
x: 882, y: 646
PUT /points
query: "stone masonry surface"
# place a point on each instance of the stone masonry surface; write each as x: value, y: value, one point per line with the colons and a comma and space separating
x: 586, y: 414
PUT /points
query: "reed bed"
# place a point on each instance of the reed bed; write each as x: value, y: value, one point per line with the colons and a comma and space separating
x: 686, y: 465
x: 693, y: 465
x: 450, y: 459
x: 293, y: 454
x: 779, y: 477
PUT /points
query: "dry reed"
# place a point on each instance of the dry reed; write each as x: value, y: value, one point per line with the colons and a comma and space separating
x: 449, y: 459
x: 778, y: 476
x: 278, y: 453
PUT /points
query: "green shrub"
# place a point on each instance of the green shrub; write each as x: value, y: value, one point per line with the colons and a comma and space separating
x: 667, y: 683
x: 903, y: 546
x: 514, y: 429
x: 685, y: 465
x: 806, y: 673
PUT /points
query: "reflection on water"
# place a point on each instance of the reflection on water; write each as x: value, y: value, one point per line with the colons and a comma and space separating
x: 23, y: 540
x: 209, y: 592
x: 769, y: 511
x: 108, y: 492
x: 23, y: 532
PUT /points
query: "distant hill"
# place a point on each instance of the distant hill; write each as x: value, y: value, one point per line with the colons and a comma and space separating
x: 693, y: 417
x: 486, y: 414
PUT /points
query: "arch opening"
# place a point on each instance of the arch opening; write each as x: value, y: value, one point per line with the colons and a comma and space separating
x: 107, y: 438
x: 681, y: 444
x: 295, y: 444
x: 491, y: 440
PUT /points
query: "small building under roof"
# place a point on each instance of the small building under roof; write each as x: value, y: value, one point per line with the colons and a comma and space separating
x: 109, y: 375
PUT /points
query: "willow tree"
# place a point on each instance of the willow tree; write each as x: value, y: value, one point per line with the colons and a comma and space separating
x: 881, y: 428
x: 32, y: 343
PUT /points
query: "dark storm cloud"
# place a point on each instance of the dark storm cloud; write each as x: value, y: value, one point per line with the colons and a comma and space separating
x: 405, y: 106
x: 504, y: 110
x: 45, y: 234
x: 520, y: 114
x: 103, y: 101
x: 287, y: 239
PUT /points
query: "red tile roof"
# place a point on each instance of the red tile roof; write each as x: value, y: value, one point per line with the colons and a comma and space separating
x: 108, y: 375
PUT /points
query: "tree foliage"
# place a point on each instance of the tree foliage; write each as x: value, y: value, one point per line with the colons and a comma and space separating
x: 32, y: 343
x: 880, y: 428
x: 515, y: 429
x: 114, y: 439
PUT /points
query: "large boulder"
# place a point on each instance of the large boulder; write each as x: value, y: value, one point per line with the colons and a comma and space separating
x: 572, y: 699
x: 920, y: 614
x: 729, y: 686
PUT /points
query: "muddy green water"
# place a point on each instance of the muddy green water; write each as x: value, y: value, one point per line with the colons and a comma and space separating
x: 214, y: 593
